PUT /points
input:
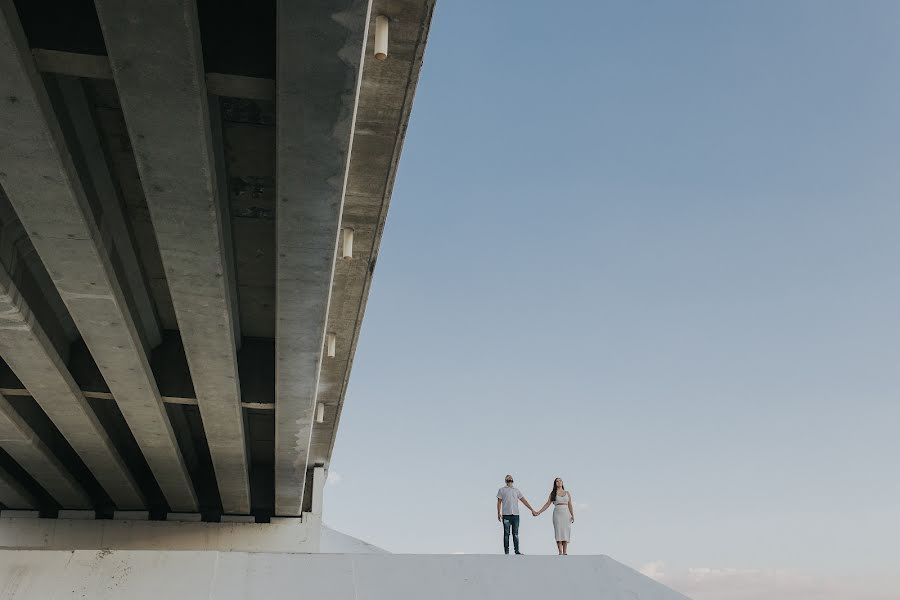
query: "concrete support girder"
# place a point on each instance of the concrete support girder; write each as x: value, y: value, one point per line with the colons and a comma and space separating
x: 385, y: 102
x: 97, y: 67
x: 40, y: 178
x: 12, y: 494
x: 319, y: 59
x: 157, y: 63
x: 23, y: 445
x: 32, y: 357
x: 114, y: 225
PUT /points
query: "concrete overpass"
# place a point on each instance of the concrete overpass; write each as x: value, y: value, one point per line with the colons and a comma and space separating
x: 180, y: 182
x: 192, y: 198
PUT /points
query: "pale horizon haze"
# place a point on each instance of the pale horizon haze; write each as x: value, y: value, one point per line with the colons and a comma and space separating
x: 652, y: 248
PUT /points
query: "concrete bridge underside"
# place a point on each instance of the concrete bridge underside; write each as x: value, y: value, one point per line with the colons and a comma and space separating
x: 175, y: 178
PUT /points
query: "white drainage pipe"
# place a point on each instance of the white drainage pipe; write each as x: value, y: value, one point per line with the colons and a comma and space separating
x: 348, y: 243
x: 381, y: 37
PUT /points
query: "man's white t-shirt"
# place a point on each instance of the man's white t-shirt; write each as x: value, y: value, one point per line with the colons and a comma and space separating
x: 509, y: 500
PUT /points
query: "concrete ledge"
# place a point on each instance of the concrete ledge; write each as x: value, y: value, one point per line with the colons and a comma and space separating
x: 37, y: 575
x: 19, y: 514
x: 288, y: 535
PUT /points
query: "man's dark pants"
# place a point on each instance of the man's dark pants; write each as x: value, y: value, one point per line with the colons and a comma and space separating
x: 510, y: 522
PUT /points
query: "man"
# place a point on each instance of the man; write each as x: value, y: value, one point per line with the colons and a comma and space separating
x: 508, y: 512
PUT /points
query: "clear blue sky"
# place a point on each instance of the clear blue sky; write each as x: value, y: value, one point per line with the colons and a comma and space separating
x: 652, y: 247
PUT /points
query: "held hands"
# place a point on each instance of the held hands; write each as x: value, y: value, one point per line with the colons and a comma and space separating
x: 534, y: 513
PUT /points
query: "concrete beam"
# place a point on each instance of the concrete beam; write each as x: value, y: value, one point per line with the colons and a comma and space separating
x: 32, y: 357
x: 114, y: 222
x: 12, y: 494
x: 92, y: 66
x: 24, y: 265
x: 157, y: 63
x: 319, y: 58
x: 40, y: 178
x: 24, y: 446
x: 385, y: 102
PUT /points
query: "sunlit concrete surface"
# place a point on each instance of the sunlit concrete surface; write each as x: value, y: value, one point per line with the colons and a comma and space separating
x: 32, y: 575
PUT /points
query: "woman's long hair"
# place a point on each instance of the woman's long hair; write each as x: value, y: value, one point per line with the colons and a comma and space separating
x: 553, y: 491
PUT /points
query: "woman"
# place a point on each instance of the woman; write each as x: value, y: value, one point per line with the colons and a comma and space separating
x: 563, y: 515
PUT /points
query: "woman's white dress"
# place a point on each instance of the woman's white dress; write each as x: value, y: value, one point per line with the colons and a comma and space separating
x: 562, y: 526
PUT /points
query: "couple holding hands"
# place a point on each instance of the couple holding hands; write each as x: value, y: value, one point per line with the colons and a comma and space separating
x: 508, y: 498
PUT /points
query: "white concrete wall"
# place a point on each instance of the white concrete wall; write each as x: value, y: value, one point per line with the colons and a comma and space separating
x: 281, y: 535
x: 103, y: 575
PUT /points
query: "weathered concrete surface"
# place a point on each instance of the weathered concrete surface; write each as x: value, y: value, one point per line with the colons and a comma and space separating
x: 12, y: 494
x: 43, y: 185
x: 21, y: 261
x: 29, y: 353
x: 90, y: 149
x: 135, y: 254
x: 386, y: 97
x: 239, y: 576
x: 281, y: 535
x: 319, y: 50
x: 23, y: 445
x: 157, y: 62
